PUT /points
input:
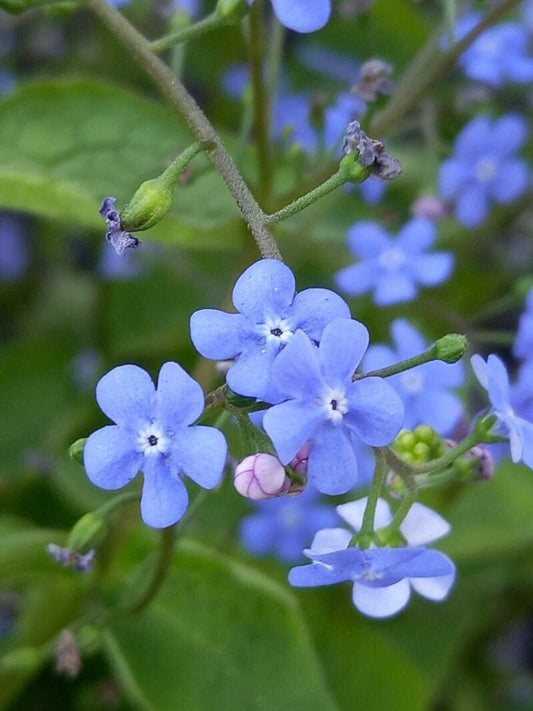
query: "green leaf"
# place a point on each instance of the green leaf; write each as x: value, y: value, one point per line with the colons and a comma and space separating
x: 64, y: 145
x: 219, y: 636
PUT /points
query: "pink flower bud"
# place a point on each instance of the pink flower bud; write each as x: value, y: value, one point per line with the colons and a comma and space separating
x: 299, y: 463
x: 428, y: 206
x: 261, y: 476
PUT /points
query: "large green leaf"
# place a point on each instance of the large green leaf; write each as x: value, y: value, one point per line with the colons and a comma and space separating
x: 219, y: 636
x: 64, y: 145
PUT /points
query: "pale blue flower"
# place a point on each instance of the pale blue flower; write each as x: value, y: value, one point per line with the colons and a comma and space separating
x: 523, y: 345
x: 302, y: 15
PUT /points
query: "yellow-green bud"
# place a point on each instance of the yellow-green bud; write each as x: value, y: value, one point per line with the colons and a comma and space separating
x: 75, y: 451
x: 232, y: 10
x: 450, y: 348
x: 355, y: 172
x: 421, y: 452
x: 23, y: 659
x: 87, y: 532
x: 148, y: 206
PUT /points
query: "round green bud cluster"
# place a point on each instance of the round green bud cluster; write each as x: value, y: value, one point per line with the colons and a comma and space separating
x: 418, y: 446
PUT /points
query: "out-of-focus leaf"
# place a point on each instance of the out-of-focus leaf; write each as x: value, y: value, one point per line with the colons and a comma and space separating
x: 218, y: 636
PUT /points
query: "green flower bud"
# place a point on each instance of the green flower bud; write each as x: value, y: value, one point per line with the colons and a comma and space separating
x: 75, y: 451
x: 450, y: 348
x: 25, y: 659
x: 355, y: 172
x: 87, y: 532
x: 151, y: 202
x: 232, y: 10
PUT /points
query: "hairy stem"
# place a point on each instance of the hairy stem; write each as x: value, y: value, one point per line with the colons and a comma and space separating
x: 367, y: 527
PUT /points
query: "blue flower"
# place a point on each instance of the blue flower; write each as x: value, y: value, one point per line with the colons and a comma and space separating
x: 153, y: 435
x: 326, y: 409
x: 284, y: 526
x: 493, y: 376
x: 523, y: 345
x: 302, y: 15
x: 382, y: 577
x: 14, y: 252
x: 484, y: 167
x: 424, y: 389
x: 498, y: 55
x: 269, y: 313
x: 393, y: 268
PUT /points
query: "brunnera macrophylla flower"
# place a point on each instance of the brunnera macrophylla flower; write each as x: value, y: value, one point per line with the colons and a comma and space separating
x: 153, y: 434
x: 493, y: 376
x: 393, y: 269
x: 261, y: 476
x: 382, y: 577
x: 326, y: 409
x: 269, y: 313
x: 301, y: 15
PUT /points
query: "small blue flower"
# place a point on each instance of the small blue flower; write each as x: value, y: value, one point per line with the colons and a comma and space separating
x: 484, y: 167
x: 14, y: 252
x: 493, y: 376
x: 328, y: 62
x: 153, y: 434
x: 393, y: 268
x: 425, y: 390
x: 269, y: 313
x: 382, y: 577
x: 302, y: 15
x: 284, y: 526
x: 523, y: 345
x: 498, y: 55
x: 326, y: 409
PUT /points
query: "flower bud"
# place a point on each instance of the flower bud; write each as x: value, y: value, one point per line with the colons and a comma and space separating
x: 428, y: 206
x: 476, y: 464
x: 450, y: 348
x: 148, y: 206
x: 75, y: 451
x: 23, y: 659
x: 261, y: 476
x: 299, y: 463
x: 87, y: 532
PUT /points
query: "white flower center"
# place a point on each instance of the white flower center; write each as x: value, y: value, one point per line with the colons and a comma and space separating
x: 485, y: 170
x: 152, y: 440
x: 371, y: 575
x: 392, y: 259
x: 412, y: 382
x: 277, y: 329
x: 335, y: 404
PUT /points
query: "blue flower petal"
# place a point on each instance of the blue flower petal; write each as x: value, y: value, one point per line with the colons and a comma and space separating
x: 343, y: 345
x: 264, y: 290
x: 368, y: 239
x: 257, y: 534
x: 313, y: 309
x: 452, y: 176
x: 376, y: 411
x: 180, y: 399
x: 296, y: 372
x: 510, y: 182
x: 432, y: 269
x: 200, y: 453
x: 416, y: 235
x: 407, y: 340
x: 509, y: 134
x: 475, y: 138
x: 520, y: 70
x: 392, y: 288
x: 435, y: 589
x: 125, y: 395
x: 251, y: 373
x: 381, y: 602
x: 332, y: 464
x: 219, y: 335
x: 498, y: 382
x: 290, y: 425
x: 471, y: 206
x: 357, y: 278
x: 164, y: 497
x: 427, y: 564
x: 314, y: 575
x: 378, y: 357
x: 302, y: 15
x: 438, y: 409
x: 110, y: 457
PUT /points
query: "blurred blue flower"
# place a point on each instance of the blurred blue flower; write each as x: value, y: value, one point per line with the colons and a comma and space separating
x: 382, y: 577
x: 327, y: 61
x: 393, y: 268
x: 522, y: 391
x: 286, y: 525
x: 14, y: 251
x: 85, y: 368
x: 153, y: 434
x: 425, y: 390
x: 113, y: 267
x: 269, y: 313
x: 523, y: 345
x: 498, y: 55
x: 326, y: 409
x: 484, y: 167
x: 301, y: 15
x: 493, y: 376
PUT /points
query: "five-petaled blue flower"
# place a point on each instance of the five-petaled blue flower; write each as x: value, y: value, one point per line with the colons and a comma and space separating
x: 498, y: 55
x: 493, y: 376
x: 153, y: 434
x: 484, y: 167
x: 326, y: 408
x: 393, y: 268
x: 302, y: 15
x: 284, y: 526
x: 382, y: 577
x: 425, y: 390
x: 269, y: 314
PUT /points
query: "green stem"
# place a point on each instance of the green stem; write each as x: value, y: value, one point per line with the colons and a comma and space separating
x: 407, y: 364
x: 275, y: 52
x: 432, y: 64
x: 164, y: 560
x: 171, y: 174
x: 117, y: 502
x: 187, y: 107
x: 367, y: 526
x: 335, y: 181
x: 211, y: 22
x: 261, y: 101
x: 402, y: 511
x: 472, y: 440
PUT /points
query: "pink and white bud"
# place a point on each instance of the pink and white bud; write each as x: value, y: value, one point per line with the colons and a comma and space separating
x: 261, y: 476
x: 299, y: 463
x: 485, y: 462
x: 428, y: 206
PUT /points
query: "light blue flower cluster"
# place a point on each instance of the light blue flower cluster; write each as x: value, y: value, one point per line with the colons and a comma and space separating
x: 484, y: 167
x: 382, y: 577
x: 393, y: 268
x: 498, y: 55
x: 425, y: 389
x: 301, y: 15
